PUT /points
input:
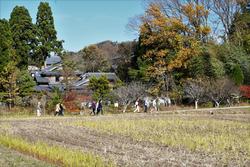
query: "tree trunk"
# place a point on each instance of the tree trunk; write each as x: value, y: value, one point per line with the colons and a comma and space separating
x: 229, y: 102
x: 217, y: 104
x: 196, y: 104
x: 126, y: 106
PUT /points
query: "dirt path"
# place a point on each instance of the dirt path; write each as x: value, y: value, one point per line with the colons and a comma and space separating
x: 122, y: 150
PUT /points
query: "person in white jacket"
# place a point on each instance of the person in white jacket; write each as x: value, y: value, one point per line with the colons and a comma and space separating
x: 57, y: 109
x: 39, y: 109
x: 137, y: 107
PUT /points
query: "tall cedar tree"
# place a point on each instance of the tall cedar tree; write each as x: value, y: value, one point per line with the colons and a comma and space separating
x: 23, y: 35
x: 8, y: 72
x: 6, y: 42
x: 47, y: 35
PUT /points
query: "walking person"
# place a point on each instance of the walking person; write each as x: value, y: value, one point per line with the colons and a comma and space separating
x: 99, y: 107
x: 154, y: 106
x: 57, y: 111
x: 93, y: 107
x: 82, y: 108
x: 146, y: 105
x: 39, y: 109
x: 61, y: 111
x: 137, y: 107
x: 157, y: 100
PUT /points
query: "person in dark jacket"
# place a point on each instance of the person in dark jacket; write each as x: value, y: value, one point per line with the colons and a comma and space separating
x: 93, y: 107
x: 62, y: 108
x: 99, y: 107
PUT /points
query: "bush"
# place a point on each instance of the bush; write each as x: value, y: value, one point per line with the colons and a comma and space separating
x: 54, y: 98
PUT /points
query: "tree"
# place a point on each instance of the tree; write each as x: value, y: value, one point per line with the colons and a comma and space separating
x: 126, y: 50
x: 94, y: 59
x: 220, y: 90
x: 195, y: 89
x: 167, y: 44
x: 129, y: 93
x: 194, y: 13
x: 46, y: 34
x: 55, y: 97
x: 25, y: 84
x: 7, y: 52
x: 225, y: 11
x: 68, y: 70
x: 23, y: 34
x: 232, y: 56
x: 239, y: 33
x: 237, y: 75
x: 8, y: 81
x: 245, y: 90
x: 100, y: 87
x: 8, y: 72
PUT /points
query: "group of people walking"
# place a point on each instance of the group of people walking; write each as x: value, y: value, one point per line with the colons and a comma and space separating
x: 146, y: 105
x: 59, y: 109
x: 96, y: 108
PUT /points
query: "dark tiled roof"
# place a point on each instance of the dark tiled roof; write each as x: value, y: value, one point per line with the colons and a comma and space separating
x: 41, y: 80
x: 53, y: 60
x: 51, y: 73
x: 110, y: 76
x: 81, y: 82
x: 60, y: 86
x: 52, y: 67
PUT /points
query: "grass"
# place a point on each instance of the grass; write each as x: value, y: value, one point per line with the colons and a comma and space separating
x: 53, y: 154
x: 230, y: 138
x: 11, y: 158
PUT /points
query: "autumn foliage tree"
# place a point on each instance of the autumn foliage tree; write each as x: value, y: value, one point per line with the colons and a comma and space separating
x: 94, y: 59
x: 167, y: 43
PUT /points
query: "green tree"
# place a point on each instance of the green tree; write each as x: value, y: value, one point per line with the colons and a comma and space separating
x: 100, y: 87
x: 46, y: 33
x: 232, y: 55
x: 55, y: 97
x: 68, y: 71
x: 8, y: 72
x: 240, y: 28
x: 8, y: 78
x: 237, y: 75
x: 7, y: 53
x: 23, y: 34
x: 25, y: 84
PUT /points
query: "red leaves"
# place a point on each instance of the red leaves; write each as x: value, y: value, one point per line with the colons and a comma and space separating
x: 245, y: 90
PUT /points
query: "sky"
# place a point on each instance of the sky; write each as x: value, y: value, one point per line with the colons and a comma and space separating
x: 83, y: 22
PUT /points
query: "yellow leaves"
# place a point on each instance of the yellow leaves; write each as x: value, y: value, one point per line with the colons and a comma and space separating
x: 196, y: 15
x: 205, y: 30
x: 189, y: 10
x: 155, y: 11
x: 162, y: 53
x: 184, y: 54
x: 170, y: 42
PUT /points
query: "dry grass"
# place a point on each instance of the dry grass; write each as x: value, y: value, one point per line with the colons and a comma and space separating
x: 53, y: 154
x: 229, y: 138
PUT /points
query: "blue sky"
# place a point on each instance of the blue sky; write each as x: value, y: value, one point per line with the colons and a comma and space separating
x: 83, y: 22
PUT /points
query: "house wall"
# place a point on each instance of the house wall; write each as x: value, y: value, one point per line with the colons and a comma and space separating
x: 52, y: 80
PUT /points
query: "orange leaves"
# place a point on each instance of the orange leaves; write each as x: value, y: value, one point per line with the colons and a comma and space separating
x: 167, y: 41
x: 183, y: 55
x: 197, y: 17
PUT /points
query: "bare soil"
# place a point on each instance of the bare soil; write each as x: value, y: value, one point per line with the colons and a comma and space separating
x: 123, y: 151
